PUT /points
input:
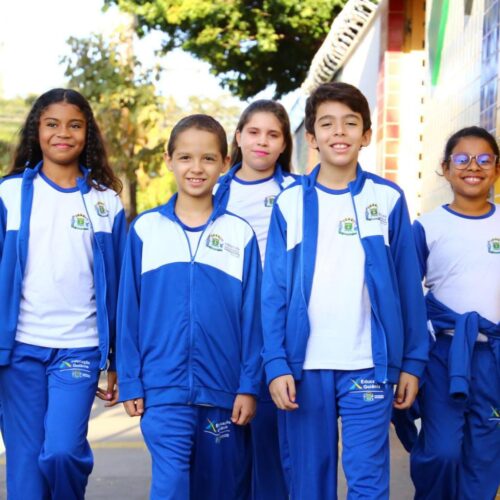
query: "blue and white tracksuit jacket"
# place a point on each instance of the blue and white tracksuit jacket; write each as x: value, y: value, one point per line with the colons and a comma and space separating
x: 189, y: 328
x: 398, y: 324
x: 108, y: 225
x: 222, y: 188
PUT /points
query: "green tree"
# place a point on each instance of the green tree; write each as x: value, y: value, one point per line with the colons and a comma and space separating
x: 249, y: 44
x: 124, y: 100
x: 12, y: 115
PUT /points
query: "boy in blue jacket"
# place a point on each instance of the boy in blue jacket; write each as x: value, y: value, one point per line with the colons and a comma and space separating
x: 342, y: 307
x: 189, y: 334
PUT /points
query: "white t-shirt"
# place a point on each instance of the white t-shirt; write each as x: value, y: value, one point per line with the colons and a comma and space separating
x: 253, y: 201
x: 339, y: 307
x: 461, y: 258
x: 58, y: 307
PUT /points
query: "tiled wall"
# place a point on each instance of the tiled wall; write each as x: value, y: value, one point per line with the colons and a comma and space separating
x: 454, y: 102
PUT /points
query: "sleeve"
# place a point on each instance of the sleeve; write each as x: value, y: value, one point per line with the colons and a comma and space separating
x: 421, y: 247
x: 251, y: 362
x: 274, y: 299
x: 118, y: 236
x: 404, y: 255
x: 3, y: 225
x: 127, y: 341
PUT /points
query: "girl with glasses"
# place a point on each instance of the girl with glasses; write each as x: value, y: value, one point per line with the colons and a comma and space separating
x: 457, y: 453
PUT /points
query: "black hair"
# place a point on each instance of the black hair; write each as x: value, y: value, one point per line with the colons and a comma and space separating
x: 198, y: 122
x: 275, y: 108
x: 478, y: 132
x: 28, y: 152
x: 342, y: 92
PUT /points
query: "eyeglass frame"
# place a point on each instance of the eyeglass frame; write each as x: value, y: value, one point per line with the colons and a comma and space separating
x: 473, y: 157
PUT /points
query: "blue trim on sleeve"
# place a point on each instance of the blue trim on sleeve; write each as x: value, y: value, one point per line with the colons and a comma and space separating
x: 421, y: 247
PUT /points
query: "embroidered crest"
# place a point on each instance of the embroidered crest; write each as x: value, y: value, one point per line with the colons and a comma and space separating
x: 80, y: 221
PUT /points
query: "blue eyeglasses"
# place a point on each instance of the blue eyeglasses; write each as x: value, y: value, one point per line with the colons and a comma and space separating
x: 485, y: 161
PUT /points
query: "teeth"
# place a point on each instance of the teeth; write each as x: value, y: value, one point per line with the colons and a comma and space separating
x: 340, y: 147
x: 472, y: 180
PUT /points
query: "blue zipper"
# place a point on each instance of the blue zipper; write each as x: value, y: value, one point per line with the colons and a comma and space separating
x: 386, y: 362
x: 192, y: 258
x: 102, y: 364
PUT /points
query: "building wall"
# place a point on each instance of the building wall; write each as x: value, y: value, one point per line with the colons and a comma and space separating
x: 455, y: 100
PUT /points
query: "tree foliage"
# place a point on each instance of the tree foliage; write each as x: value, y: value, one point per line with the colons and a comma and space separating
x: 124, y: 99
x: 249, y: 44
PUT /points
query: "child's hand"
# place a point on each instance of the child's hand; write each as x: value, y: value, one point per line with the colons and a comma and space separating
x: 110, y: 394
x: 282, y: 391
x: 243, y: 409
x: 406, y: 391
x: 134, y: 407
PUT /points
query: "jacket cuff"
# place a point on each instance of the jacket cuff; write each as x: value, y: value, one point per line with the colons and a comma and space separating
x: 249, y: 386
x: 131, y: 389
x: 414, y: 367
x: 5, y: 356
x: 459, y: 387
x: 276, y: 368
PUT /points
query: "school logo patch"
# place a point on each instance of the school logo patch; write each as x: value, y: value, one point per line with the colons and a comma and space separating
x: 494, y: 245
x: 215, y: 242
x: 348, y: 226
x: 101, y: 209
x: 220, y: 430
x: 76, y: 368
x: 368, y: 389
x: 80, y: 221
x: 371, y: 212
x: 269, y: 200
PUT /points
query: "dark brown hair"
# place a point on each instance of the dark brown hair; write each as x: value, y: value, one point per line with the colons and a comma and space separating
x: 478, y: 132
x: 198, y: 122
x: 342, y: 92
x: 275, y: 108
x: 28, y: 153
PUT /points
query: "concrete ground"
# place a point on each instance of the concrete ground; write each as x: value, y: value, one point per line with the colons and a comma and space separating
x: 122, y: 463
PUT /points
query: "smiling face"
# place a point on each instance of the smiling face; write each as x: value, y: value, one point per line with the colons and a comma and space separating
x: 196, y: 163
x: 261, y: 141
x: 62, y: 132
x: 338, y: 135
x: 472, y: 183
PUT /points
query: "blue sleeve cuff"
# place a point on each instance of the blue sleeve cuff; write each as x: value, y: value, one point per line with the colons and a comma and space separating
x: 414, y: 367
x: 459, y: 387
x: 276, y: 368
x: 248, y: 386
x: 5, y: 356
x: 130, y: 390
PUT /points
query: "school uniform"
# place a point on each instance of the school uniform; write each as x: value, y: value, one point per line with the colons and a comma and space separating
x: 60, y: 253
x: 253, y: 200
x: 457, y: 454
x: 189, y: 339
x: 343, y: 313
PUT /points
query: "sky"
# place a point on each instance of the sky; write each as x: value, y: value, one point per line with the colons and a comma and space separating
x: 33, y: 36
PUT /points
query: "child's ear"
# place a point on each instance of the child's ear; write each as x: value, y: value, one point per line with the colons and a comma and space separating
x: 168, y: 161
x: 367, y: 138
x: 311, y: 140
x: 226, y: 165
x: 237, y: 136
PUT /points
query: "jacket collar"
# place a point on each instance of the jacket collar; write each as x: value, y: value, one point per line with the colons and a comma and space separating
x: 355, y: 186
x: 168, y: 210
x: 81, y: 182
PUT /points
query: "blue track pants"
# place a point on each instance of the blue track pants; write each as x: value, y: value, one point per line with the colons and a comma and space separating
x: 197, y: 453
x: 268, y: 479
x: 457, y: 454
x: 311, y: 435
x: 47, y: 396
